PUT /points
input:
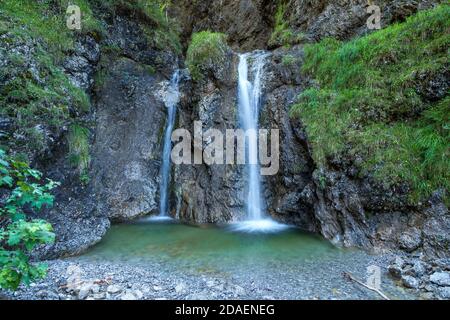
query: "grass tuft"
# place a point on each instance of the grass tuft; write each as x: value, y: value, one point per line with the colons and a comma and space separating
x: 206, y: 49
x: 282, y: 35
x: 78, y: 140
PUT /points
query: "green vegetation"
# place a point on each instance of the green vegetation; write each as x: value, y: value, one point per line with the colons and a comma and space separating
x: 282, y: 35
x: 78, y: 140
x: 46, y: 20
x: 206, y: 49
x: 19, y: 235
x: 289, y: 60
x: 53, y: 27
x: 369, y: 102
x: 35, y: 92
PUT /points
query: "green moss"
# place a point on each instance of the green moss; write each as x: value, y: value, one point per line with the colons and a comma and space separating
x: 282, y: 35
x: 368, y: 102
x: 206, y: 49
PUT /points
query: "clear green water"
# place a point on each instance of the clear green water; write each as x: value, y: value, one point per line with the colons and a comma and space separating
x: 204, y: 248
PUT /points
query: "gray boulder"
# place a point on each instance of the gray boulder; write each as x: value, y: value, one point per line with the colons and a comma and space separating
x: 441, y: 278
x: 410, y: 240
x: 410, y: 282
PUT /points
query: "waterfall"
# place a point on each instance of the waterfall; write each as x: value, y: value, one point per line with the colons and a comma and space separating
x: 171, y: 100
x: 249, y: 100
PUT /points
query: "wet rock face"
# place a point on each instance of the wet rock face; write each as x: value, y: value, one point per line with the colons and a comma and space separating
x: 126, y: 122
x: 126, y: 154
x: 286, y: 192
x: 216, y: 193
x: 356, y: 211
x: 209, y: 193
x: 76, y: 221
x: 436, y: 227
x: 126, y: 35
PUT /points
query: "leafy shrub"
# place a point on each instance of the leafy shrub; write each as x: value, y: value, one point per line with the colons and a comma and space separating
x: 368, y: 102
x: 205, y: 50
x: 19, y: 235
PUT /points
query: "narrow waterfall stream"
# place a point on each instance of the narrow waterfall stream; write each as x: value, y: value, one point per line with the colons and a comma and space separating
x: 249, y: 99
x: 249, y: 102
x: 171, y: 101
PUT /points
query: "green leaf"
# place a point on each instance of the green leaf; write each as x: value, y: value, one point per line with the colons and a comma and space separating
x: 7, y: 180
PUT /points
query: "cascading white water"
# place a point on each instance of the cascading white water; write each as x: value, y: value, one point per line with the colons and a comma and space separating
x: 249, y: 105
x: 249, y: 101
x: 171, y: 100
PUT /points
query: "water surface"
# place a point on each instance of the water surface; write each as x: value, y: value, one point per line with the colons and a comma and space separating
x: 220, y: 249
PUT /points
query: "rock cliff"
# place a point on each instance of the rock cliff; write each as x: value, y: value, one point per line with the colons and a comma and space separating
x: 124, y: 73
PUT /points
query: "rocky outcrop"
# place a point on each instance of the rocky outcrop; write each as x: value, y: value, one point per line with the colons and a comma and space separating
x: 345, y: 19
x: 216, y: 193
x: 126, y: 124
x: 81, y: 64
x: 246, y: 22
x: 250, y: 23
x: 126, y: 77
x: 431, y: 277
x: 126, y: 153
x: 209, y: 193
x: 288, y: 191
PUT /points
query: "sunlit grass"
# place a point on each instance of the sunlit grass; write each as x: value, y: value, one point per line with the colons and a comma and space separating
x: 368, y: 102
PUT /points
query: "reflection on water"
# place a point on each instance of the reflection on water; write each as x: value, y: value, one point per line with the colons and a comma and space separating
x: 208, y: 247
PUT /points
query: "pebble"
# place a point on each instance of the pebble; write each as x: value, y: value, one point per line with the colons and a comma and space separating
x: 85, y: 289
x: 113, y: 289
x: 138, y: 294
x: 179, y: 287
x: 128, y: 296
x: 99, y: 296
x: 239, y: 290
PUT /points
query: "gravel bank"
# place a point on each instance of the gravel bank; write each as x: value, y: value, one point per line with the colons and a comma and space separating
x: 77, y: 279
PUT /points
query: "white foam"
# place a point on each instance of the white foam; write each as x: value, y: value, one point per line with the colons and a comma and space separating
x: 258, y: 226
x: 156, y: 219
